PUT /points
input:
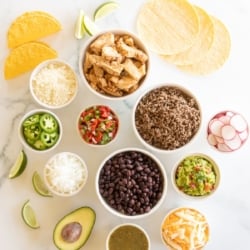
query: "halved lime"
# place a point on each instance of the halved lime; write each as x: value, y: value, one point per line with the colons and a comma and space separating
x: 79, y: 29
x: 90, y: 27
x: 104, y: 9
x: 39, y: 185
x: 19, y: 165
x: 29, y: 216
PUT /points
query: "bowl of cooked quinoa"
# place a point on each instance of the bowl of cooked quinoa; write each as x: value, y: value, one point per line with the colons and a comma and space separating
x: 53, y: 84
x: 114, y: 64
x: 166, y: 118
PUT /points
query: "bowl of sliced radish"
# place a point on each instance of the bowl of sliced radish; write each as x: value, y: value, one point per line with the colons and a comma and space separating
x: 227, y: 131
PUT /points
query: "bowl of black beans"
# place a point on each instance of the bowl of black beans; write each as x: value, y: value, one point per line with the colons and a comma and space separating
x: 131, y: 183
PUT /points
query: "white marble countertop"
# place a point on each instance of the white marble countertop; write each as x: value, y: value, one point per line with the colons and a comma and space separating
x: 227, y: 211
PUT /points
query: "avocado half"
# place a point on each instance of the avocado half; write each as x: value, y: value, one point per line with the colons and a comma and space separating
x: 83, y: 216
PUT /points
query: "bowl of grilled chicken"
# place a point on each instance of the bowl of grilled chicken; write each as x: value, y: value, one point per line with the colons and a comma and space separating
x: 114, y: 64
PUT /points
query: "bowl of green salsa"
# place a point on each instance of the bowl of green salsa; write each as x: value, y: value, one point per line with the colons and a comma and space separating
x: 128, y: 236
x: 196, y: 176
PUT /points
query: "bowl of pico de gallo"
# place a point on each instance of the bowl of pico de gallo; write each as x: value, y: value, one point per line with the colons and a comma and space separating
x: 98, y: 125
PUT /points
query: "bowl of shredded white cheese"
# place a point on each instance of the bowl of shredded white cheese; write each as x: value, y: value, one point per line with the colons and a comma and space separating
x: 65, y: 173
x: 53, y: 84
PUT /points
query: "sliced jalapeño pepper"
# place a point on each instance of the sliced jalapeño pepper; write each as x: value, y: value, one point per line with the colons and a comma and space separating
x: 33, y: 119
x: 48, y: 123
x: 32, y: 132
x: 39, y: 145
x: 49, y: 139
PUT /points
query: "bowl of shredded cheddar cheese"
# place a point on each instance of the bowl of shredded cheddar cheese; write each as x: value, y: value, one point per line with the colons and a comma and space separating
x: 185, y: 228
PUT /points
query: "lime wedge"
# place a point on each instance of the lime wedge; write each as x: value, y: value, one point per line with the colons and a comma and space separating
x: 40, y: 186
x: 19, y: 165
x: 104, y: 9
x: 90, y: 27
x: 29, y: 216
x: 79, y: 29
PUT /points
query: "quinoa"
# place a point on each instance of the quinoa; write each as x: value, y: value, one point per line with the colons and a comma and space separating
x: 167, y: 117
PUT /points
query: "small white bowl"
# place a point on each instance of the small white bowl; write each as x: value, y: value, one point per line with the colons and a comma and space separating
x: 53, y: 84
x: 158, y: 124
x: 65, y: 174
x: 93, y: 86
x: 102, y: 134
x: 132, y: 239
x: 186, y: 218
x: 194, y: 169
x: 35, y: 142
x: 129, y: 184
x: 227, y: 131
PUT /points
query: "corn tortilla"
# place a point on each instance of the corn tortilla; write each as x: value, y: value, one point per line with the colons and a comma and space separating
x: 217, y: 54
x: 25, y: 57
x: 201, y: 45
x: 168, y: 26
x: 31, y: 26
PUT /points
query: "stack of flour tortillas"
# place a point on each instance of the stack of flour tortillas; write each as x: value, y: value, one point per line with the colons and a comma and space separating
x: 25, y: 51
x: 184, y: 34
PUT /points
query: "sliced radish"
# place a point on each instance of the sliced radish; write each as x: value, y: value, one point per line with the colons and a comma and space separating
x: 219, y: 115
x: 219, y: 139
x: 238, y: 122
x: 230, y: 113
x: 223, y: 148
x: 243, y: 135
x: 228, y: 132
x: 215, y: 127
x: 211, y: 140
x: 225, y: 119
x: 235, y: 143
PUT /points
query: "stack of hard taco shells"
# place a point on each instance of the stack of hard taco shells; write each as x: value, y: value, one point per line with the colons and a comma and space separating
x: 26, y: 51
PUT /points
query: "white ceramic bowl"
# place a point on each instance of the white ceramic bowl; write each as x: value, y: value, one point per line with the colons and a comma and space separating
x: 166, y: 118
x: 65, y: 174
x: 187, y: 219
x: 53, y: 84
x: 37, y: 137
x: 131, y: 183
x: 227, y: 131
x: 112, y: 92
x: 203, y: 184
x: 99, y: 131
x: 134, y: 237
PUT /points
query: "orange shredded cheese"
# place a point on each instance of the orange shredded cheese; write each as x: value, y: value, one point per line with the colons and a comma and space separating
x: 185, y: 229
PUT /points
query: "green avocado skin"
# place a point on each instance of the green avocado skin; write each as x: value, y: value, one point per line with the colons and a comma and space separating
x: 86, y: 217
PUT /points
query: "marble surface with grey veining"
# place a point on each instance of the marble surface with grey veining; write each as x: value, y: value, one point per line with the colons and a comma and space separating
x: 228, y: 211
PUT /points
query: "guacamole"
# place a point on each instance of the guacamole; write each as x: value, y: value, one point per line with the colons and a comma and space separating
x: 195, y: 176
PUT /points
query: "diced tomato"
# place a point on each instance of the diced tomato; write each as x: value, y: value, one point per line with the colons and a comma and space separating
x: 99, y: 125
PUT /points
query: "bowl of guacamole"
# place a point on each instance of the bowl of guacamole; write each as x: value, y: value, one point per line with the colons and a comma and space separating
x: 196, y: 175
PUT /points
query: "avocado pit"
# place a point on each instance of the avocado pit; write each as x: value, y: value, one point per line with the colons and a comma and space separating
x: 71, y: 232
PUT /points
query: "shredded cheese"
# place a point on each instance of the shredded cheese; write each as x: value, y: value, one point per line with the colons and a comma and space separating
x: 65, y: 173
x: 185, y: 229
x: 55, y: 84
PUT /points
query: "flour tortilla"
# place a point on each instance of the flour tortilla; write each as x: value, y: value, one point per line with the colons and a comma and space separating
x: 217, y: 54
x: 31, y: 26
x: 201, y: 45
x: 26, y: 57
x: 168, y: 26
